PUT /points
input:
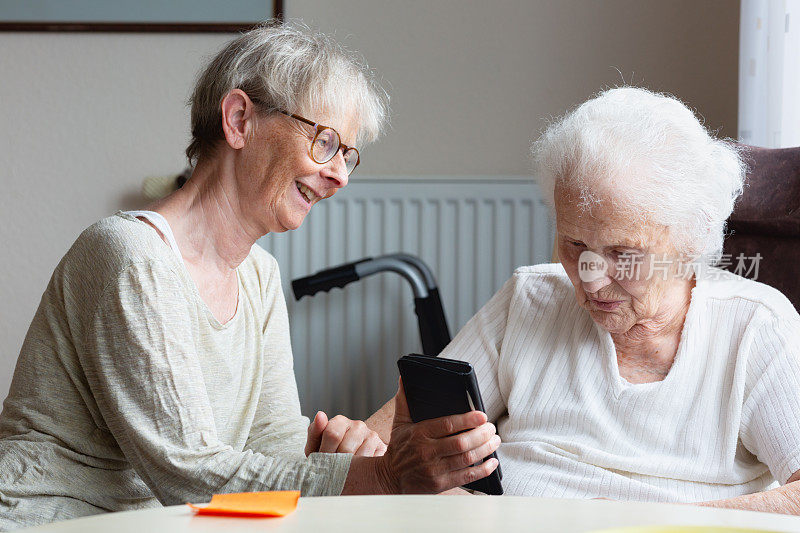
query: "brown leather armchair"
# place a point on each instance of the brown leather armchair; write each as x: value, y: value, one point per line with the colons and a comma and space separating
x: 766, y: 220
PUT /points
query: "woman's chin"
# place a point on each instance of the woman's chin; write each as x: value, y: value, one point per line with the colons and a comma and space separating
x: 613, y: 322
x: 293, y: 225
x: 290, y: 221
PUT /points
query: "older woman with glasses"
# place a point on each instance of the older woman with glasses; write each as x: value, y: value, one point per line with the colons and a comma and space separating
x: 158, y: 369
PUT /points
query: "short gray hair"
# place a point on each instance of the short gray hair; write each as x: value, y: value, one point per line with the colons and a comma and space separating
x: 650, y: 154
x: 287, y: 67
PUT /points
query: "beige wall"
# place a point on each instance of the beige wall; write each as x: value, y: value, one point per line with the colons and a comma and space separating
x: 472, y: 80
x: 84, y: 117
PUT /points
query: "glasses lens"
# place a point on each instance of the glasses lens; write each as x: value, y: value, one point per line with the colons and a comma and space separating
x: 351, y: 159
x: 325, y: 145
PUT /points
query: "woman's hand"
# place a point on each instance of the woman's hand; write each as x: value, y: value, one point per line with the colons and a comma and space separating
x: 436, y: 455
x: 342, y: 435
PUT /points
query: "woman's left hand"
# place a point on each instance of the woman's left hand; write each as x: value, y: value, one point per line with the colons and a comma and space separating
x: 342, y: 435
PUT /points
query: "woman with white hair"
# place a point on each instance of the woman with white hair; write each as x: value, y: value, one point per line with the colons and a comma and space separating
x: 635, y: 370
x: 158, y: 369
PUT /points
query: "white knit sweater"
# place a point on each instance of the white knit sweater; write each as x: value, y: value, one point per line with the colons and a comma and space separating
x: 724, y: 422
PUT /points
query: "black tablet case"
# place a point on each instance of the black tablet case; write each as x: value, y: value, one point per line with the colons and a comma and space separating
x: 437, y: 387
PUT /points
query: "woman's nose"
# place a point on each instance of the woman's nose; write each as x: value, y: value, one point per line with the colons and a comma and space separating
x: 596, y: 284
x: 594, y: 271
x: 336, y: 170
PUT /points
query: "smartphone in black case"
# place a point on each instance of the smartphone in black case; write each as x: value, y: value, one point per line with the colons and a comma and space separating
x: 437, y: 387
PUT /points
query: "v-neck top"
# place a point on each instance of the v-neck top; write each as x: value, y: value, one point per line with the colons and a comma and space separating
x: 129, y: 394
x: 724, y: 422
x: 161, y: 223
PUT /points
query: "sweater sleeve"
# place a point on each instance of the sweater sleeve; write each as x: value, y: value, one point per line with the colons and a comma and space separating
x: 479, y: 343
x: 771, y: 410
x: 143, y: 368
x: 278, y: 425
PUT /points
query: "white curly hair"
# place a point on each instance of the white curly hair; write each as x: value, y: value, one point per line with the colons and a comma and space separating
x: 649, y: 153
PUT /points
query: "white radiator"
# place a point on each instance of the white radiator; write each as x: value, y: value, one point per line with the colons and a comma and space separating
x: 472, y: 232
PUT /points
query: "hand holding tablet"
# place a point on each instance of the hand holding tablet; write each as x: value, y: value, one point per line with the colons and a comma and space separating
x: 436, y: 387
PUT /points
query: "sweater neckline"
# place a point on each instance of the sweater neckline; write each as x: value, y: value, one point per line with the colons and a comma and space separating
x: 190, y: 283
x: 682, y: 355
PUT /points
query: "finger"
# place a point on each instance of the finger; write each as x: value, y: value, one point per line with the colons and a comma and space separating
x: 449, y: 425
x: 355, y: 436
x: 381, y: 449
x: 401, y: 414
x: 473, y: 473
x: 463, y: 460
x: 368, y: 448
x: 315, y: 429
x: 317, y: 426
x: 333, y: 434
x: 467, y: 441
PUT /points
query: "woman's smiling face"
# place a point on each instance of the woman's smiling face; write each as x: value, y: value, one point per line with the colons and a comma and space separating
x: 279, y: 181
x: 624, y: 272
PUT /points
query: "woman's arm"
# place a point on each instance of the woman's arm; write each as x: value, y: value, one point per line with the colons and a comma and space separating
x: 143, y: 366
x: 278, y: 425
x: 770, y: 416
x: 381, y: 421
x: 784, y: 500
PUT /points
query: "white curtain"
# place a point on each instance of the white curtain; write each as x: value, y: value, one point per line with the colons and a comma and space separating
x: 769, y: 73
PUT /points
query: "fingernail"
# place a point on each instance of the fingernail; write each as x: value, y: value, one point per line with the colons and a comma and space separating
x: 496, y: 440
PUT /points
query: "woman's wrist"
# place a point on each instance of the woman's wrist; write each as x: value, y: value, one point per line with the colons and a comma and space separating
x: 370, y: 475
x: 387, y: 478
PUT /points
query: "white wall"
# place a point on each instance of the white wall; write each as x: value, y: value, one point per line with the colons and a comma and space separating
x: 473, y: 80
x: 84, y: 117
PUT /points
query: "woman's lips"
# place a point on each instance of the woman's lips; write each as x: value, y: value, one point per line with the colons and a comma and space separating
x: 303, y: 199
x: 605, y: 305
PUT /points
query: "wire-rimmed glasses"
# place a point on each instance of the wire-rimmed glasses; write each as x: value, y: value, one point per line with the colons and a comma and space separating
x: 326, y: 143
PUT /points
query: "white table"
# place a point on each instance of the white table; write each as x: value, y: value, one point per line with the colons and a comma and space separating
x: 439, y: 514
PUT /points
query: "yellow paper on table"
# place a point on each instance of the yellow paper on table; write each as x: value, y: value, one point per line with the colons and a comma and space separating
x: 250, y: 504
x: 679, y: 529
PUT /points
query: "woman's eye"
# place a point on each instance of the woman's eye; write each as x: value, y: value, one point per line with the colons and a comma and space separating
x: 576, y: 244
x: 630, y: 255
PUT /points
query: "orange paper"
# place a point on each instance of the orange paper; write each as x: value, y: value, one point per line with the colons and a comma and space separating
x: 252, y: 504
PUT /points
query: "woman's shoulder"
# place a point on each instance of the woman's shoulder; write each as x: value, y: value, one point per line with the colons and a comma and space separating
x: 725, y: 289
x: 98, y: 260
x: 536, y: 292
x: 543, y: 283
x: 116, y: 242
x: 544, y: 271
x: 109, y: 247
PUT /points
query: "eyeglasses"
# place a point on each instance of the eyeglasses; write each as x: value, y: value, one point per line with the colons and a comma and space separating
x: 326, y: 144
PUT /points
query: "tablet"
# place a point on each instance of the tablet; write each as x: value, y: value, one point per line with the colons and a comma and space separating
x: 437, y: 387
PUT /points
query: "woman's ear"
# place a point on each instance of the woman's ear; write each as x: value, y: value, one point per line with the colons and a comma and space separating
x: 238, y: 118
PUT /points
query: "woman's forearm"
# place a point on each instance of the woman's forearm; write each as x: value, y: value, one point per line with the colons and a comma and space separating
x: 381, y: 421
x: 784, y: 500
x: 368, y: 475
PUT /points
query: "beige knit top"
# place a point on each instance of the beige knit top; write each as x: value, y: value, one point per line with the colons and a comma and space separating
x: 128, y: 393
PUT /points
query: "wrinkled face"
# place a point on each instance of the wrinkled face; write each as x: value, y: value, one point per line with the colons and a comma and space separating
x: 624, y: 273
x: 278, y: 180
